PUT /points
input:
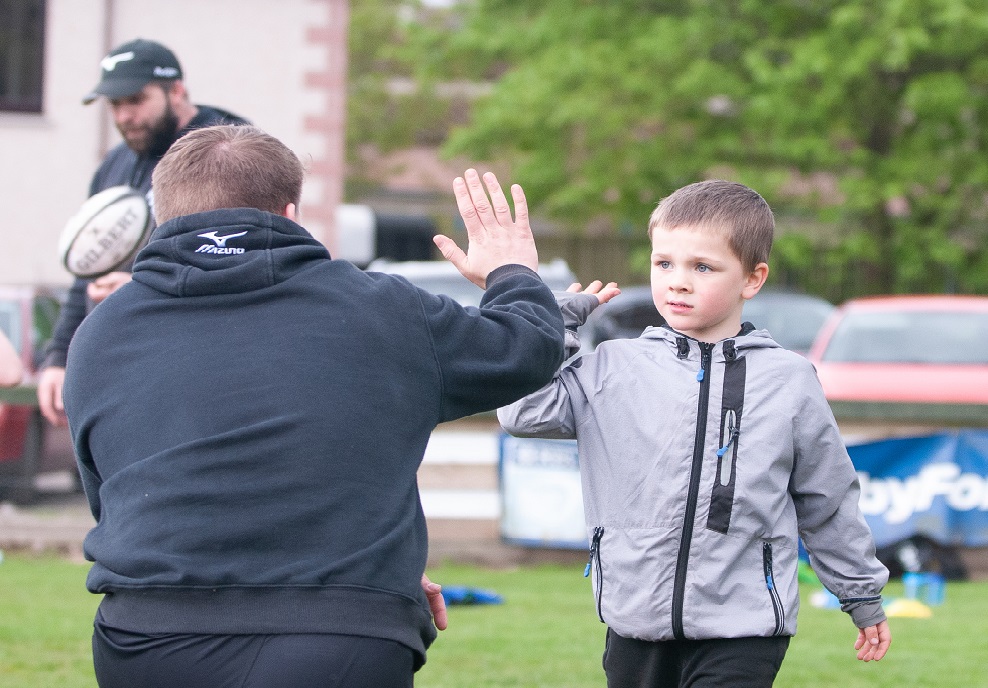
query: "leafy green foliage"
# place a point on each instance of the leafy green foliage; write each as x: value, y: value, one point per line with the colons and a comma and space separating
x: 868, y: 115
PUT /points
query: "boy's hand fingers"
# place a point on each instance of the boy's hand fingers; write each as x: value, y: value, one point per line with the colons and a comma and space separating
x: 608, y: 292
x: 859, y: 643
x: 873, y: 642
x: 884, y: 639
x: 575, y: 288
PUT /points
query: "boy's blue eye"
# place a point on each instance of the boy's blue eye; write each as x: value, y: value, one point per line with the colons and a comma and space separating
x: 664, y: 264
x: 703, y: 268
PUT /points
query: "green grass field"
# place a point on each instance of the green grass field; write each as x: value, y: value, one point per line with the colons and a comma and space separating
x: 545, y: 634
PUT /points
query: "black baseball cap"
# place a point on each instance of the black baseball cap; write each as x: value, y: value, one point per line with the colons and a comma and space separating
x: 130, y: 67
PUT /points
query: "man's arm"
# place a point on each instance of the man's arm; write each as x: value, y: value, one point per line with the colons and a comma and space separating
x: 547, y: 413
x: 53, y: 373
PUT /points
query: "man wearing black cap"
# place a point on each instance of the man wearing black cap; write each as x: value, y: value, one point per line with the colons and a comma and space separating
x: 142, y: 81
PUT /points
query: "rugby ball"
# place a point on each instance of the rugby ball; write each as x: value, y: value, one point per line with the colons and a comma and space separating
x: 105, y: 232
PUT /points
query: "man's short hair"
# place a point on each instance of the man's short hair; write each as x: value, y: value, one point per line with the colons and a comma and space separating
x: 226, y: 166
x: 733, y: 208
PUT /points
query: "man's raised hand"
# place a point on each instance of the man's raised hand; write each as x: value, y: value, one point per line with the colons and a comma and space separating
x: 494, y: 238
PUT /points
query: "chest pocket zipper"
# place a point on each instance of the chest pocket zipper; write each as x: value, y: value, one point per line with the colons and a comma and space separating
x: 598, y: 533
x: 730, y: 431
x: 777, y: 608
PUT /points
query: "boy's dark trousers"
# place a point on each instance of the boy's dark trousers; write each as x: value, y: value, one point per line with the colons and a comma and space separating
x: 132, y: 660
x: 715, y: 663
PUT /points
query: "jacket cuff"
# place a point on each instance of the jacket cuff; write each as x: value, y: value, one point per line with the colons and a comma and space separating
x: 576, y: 308
x: 864, y: 612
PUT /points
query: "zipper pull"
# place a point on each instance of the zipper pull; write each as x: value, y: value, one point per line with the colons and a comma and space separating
x: 594, y: 544
x: 705, y: 350
x: 767, y: 559
x: 730, y: 438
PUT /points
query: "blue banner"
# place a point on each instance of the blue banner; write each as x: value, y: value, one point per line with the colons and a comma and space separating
x: 935, y: 485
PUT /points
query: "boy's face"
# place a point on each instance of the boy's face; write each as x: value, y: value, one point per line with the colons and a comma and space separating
x: 698, y: 285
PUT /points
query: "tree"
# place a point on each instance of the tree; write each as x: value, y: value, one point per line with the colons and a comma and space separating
x: 863, y: 120
x: 386, y: 108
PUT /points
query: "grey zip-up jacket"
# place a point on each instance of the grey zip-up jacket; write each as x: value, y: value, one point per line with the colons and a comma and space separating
x: 701, y: 465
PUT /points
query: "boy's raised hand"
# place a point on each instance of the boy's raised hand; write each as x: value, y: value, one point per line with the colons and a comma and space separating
x: 495, y: 239
x: 604, y: 293
x: 873, y: 642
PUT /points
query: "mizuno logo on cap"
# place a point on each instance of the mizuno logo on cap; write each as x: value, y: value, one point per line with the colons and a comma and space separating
x: 109, y: 63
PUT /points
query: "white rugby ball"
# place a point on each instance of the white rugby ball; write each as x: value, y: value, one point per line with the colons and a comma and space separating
x: 105, y: 232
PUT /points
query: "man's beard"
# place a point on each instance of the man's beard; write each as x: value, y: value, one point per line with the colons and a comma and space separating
x: 160, y: 136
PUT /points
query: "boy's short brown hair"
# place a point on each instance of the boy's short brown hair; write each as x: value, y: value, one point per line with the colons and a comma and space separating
x: 225, y: 166
x: 730, y: 207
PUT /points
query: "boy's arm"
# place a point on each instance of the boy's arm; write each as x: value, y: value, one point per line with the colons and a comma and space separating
x: 576, y: 304
x: 824, y: 487
x: 547, y: 413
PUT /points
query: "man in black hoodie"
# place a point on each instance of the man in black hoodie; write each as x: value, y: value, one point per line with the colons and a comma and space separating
x: 249, y: 416
x: 142, y: 81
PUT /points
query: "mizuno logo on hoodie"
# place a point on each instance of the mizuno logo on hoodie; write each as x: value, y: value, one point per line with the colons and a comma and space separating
x: 219, y: 243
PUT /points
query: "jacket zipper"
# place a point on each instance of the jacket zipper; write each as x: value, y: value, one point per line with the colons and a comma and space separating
x: 730, y: 431
x: 598, y: 533
x: 780, y: 614
x: 682, y: 560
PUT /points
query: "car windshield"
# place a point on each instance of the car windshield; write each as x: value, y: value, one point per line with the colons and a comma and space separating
x: 910, y: 337
x: 792, y: 321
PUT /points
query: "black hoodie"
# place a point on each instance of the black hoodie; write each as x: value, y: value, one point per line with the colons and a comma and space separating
x: 249, y: 416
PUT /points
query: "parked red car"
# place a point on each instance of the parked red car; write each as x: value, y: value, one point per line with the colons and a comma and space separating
x: 29, y: 445
x: 925, y: 357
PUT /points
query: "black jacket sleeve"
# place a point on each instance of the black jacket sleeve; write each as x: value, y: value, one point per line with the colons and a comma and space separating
x: 69, y: 318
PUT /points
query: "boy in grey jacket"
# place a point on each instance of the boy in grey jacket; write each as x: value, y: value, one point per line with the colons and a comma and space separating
x: 706, y: 450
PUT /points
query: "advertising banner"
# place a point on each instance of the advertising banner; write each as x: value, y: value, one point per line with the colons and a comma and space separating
x: 935, y: 485
x: 542, y: 500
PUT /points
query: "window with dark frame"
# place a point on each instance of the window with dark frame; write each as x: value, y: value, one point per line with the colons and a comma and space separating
x: 22, y: 55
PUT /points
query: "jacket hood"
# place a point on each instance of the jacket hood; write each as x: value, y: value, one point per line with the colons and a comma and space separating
x: 225, y: 251
x: 747, y: 338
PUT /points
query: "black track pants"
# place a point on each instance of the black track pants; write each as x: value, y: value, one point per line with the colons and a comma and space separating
x: 129, y: 660
x: 727, y: 663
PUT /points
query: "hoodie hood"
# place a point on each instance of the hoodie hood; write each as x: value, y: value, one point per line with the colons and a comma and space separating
x: 226, y: 251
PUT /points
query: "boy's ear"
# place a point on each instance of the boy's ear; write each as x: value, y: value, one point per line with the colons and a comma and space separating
x: 756, y: 278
